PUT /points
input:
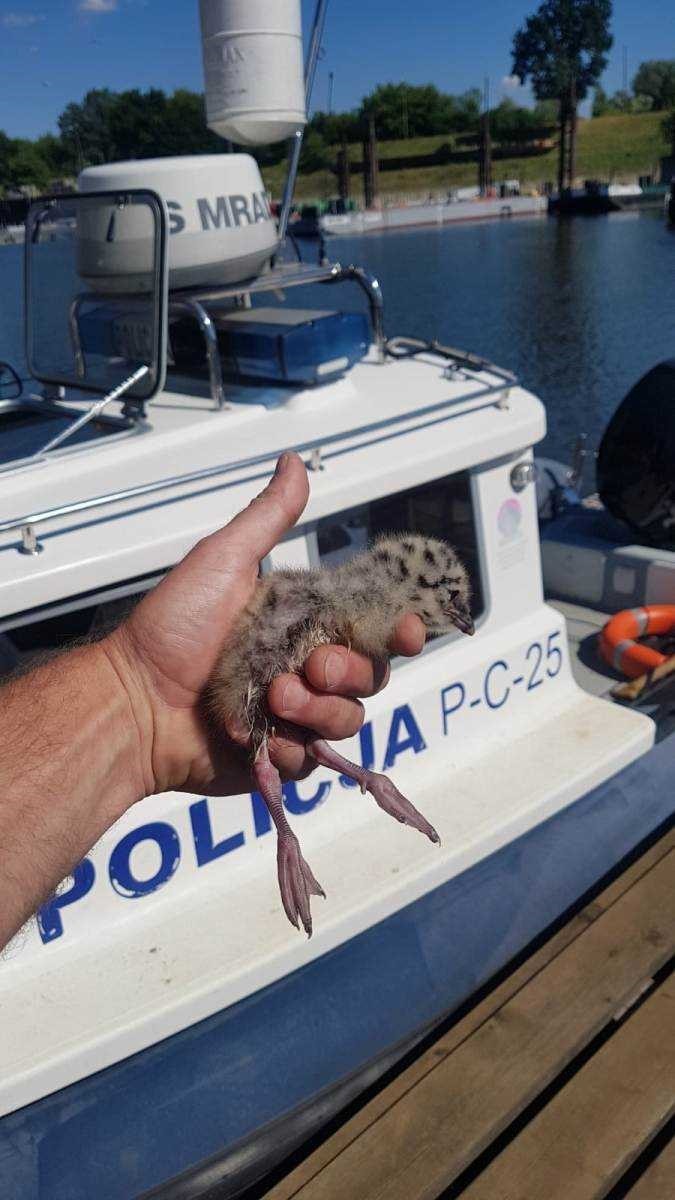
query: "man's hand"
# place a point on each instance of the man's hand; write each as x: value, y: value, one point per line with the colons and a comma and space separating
x: 166, y: 650
x: 89, y: 733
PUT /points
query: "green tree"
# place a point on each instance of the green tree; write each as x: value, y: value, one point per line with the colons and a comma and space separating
x: 668, y: 128
x: 546, y: 113
x: 509, y: 122
x: 601, y: 102
x: 185, y: 128
x: 85, y: 128
x: 137, y: 123
x: 57, y: 154
x: 402, y: 110
x: 641, y: 103
x: 621, y: 102
x: 26, y: 166
x: 656, y: 79
x: 466, y: 112
x: 336, y: 128
x: 315, y: 155
x: 563, y: 50
x: 5, y: 150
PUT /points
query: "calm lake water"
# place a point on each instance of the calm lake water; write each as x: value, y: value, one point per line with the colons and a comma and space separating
x: 579, y: 309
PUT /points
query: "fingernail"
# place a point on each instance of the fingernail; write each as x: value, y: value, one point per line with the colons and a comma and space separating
x: 283, y: 462
x: 333, y: 670
x: 293, y: 696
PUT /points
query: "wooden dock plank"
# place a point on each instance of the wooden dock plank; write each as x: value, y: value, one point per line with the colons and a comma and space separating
x: 634, y: 873
x: 315, y: 1162
x: 422, y: 1141
x: 591, y: 1132
x: 658, y: 1181
x: 291, y: 1185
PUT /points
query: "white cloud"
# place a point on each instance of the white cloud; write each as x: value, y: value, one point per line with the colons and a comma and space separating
x: 98, y: 6
x: 14, y: 20
x: 511, y: 83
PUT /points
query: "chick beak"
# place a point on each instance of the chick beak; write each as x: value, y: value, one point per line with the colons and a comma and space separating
x: 462, y: 618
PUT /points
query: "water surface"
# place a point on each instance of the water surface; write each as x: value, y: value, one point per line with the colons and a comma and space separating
x: 579, y: 308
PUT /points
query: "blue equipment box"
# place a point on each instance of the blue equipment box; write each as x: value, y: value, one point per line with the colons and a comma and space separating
x: 117, y: 329
x: 291, y: 345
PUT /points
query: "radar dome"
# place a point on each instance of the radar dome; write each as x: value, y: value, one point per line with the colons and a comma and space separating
x: 221, y: 229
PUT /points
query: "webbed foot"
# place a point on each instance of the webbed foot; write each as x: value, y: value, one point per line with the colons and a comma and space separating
x: 388, y: 797
x: 296, y: 882
x: 383, y: 791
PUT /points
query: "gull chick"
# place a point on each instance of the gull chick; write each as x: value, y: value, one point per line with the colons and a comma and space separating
x: 358, y: 605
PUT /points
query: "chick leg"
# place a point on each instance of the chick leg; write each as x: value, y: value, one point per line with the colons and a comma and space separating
x: 381, y: 789
x: 296, y: 882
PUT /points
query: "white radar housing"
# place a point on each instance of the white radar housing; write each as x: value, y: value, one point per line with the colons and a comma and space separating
x: 221, y: 229
x: 253, y: 70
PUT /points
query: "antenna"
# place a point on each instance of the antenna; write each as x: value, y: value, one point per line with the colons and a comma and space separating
x: 331, y: 81
x: 296, y: 145
x: 625, y: 68
x: 485, y: 150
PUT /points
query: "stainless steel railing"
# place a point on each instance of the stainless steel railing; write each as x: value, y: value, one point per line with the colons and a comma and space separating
x: 489, y: 395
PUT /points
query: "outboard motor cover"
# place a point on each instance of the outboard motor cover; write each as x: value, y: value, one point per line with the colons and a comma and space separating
x: 636, y: 459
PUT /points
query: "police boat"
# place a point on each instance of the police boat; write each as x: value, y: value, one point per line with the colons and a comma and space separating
x: 165, y: 1031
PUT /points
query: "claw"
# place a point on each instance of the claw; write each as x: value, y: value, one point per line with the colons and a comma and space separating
x: 296, y: 882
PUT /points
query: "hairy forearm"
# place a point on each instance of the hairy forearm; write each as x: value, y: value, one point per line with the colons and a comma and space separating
x: 71, y: 762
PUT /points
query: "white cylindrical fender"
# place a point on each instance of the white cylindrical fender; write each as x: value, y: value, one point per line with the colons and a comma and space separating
x: 221, y: 229
x: 253, y: 70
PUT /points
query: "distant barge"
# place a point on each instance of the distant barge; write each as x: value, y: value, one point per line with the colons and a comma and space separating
x: 596, y: 199
x: 441, y: 213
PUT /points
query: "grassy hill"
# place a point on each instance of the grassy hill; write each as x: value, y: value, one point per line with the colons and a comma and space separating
x: 614, y: 147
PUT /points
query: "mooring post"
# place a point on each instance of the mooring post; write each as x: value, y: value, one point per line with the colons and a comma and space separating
x: 370, y: 165
x: 343, y: 172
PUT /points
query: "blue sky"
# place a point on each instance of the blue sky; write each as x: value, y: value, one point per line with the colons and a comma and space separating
x: 53, y: 52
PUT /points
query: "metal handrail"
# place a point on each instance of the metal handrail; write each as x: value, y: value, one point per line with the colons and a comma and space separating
x: 195, y: 308
x: 281, y: 277
x: 490, y: 394
x: 194, y: 301
x: 369, y: 284
x: 409, y: 347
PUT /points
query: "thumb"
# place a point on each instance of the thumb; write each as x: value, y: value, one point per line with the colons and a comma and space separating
x: 256, y: 530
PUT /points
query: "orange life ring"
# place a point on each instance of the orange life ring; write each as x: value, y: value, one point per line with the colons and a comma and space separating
x: 618, y: 643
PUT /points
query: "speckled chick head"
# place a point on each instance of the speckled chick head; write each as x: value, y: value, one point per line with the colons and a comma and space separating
x: 435, y: 580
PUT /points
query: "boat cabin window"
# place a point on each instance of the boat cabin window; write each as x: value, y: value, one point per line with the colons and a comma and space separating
x: 442, y: 509
x: 27, y: 638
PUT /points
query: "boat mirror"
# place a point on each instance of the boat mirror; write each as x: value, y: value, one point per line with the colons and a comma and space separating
x: 96, y: 292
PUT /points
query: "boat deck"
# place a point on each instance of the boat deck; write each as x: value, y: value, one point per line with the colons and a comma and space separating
x: 595, y: 677
x: 558, y: 1083
x: 583, y: 626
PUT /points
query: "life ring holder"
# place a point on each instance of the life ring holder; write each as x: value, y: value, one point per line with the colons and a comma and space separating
x: 618, y: 640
